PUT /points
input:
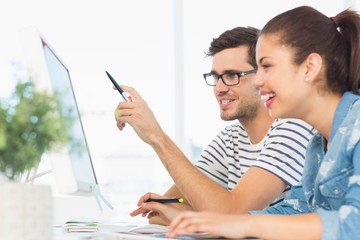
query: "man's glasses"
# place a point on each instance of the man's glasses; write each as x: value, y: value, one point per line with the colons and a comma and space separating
x: 229, y: 79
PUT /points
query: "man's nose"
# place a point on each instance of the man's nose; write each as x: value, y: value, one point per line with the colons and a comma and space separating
x: 220, y: 85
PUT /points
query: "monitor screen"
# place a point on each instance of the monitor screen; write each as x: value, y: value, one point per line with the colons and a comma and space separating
x: 72, y: 164
x: 77, y: 147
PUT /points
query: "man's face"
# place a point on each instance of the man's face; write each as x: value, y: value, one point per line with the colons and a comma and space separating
x: 241, y: 101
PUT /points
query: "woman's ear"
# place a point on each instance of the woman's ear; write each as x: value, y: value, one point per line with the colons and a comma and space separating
x: 313, y: 66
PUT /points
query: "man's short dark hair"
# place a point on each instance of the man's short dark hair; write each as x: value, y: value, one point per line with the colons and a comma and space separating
x: 239, y: 36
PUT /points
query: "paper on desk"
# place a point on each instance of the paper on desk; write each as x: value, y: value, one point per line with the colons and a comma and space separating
x: 133, y: 228
x: 126, y: 236
x: 81, y: 226
x: 153, y: 231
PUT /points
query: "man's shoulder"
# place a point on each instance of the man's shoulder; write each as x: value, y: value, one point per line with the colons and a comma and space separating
x: 234, y: 127
x: 292, y: 124
x: 235, y: 130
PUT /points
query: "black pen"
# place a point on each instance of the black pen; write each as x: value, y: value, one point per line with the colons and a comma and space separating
x: 123, y: 94
x: 165, y: 200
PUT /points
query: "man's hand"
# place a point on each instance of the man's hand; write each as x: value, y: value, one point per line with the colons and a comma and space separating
x: 138, y: 114
x: 166, y: 212
x: 141, y: 201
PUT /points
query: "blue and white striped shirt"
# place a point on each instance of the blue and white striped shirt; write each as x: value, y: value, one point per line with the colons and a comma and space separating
x: 281, y: 152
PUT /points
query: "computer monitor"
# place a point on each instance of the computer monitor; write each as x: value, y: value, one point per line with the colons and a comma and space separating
x: 72, y: 165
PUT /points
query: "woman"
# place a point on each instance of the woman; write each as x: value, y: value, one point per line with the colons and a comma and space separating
x: 309, y: 68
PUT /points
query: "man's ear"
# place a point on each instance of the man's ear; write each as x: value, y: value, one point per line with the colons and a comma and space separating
x: 313, y: 66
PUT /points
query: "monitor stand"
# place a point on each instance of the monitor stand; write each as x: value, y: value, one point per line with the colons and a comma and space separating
x: 95, y: 191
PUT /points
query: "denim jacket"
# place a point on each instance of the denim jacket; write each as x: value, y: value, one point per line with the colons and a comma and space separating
x: 331, y: 180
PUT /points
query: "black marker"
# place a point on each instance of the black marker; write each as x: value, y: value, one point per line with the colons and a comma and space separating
x: 165, y: 200
x: 123, y: 94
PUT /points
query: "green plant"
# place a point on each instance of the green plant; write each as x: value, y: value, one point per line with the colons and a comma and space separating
x: 30, y: 125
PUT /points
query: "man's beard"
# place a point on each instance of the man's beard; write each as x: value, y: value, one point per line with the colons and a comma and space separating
x: 244, y: 113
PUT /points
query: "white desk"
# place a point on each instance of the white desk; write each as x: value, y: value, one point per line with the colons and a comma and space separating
x: 112, y: 231
x: 60, y: 234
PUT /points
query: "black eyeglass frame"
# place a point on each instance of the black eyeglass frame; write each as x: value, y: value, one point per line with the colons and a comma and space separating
x: 220, y: 76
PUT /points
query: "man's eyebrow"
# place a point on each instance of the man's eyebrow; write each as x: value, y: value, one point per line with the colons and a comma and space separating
x: 227, y: 71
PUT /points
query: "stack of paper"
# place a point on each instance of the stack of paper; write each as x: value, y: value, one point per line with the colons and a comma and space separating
x: 81, y: 226
x: 136, y: 229
x: 92, y: 226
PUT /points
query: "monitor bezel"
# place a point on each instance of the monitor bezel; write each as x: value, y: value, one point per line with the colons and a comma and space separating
x: 64, y: 173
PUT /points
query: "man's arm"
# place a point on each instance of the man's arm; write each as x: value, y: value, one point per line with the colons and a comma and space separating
x: 252, y: 192
x: 173, y: 191
x: 242, y: 200
x: 256, y: 189
x: 279, y: 163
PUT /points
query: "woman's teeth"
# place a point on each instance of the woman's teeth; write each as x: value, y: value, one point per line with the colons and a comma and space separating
x: 267, y: 96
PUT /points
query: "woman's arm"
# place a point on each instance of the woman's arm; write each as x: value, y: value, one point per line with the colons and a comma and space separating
x: 304, y: 226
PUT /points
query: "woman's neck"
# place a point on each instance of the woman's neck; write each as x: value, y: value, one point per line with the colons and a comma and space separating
x: 321, y: 114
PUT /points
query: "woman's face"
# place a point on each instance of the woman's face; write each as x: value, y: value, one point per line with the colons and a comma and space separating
x: 281, y: 81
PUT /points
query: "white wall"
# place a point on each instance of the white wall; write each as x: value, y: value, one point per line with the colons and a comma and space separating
x: 134, y: 40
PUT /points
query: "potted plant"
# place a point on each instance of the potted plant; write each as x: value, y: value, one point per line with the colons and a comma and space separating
x: 30, y: 125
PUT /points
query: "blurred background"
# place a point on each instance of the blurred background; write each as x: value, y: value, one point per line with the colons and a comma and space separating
x: 155, y: 46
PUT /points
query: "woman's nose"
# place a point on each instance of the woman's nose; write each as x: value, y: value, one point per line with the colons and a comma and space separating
x: 259, y: 81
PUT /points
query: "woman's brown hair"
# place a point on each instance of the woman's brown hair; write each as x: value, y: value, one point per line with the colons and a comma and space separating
x: 335, y: 39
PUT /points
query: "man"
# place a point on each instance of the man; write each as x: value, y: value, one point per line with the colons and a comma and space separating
x: 251, y: 164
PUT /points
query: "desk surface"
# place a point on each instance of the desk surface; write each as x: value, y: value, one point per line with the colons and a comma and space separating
x: 60, y: 234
